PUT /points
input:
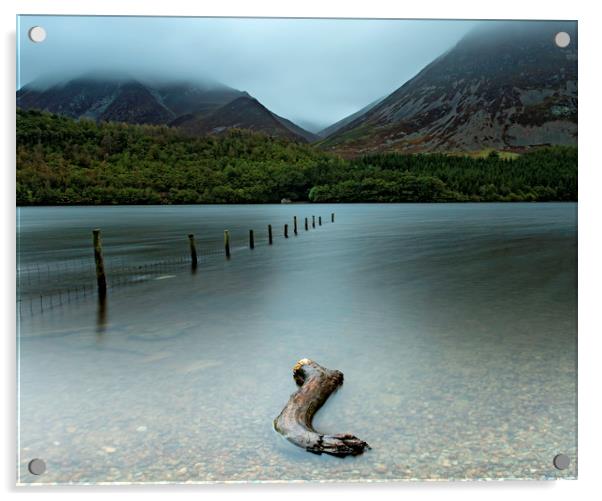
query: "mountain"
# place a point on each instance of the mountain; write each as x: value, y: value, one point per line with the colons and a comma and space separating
x: 119, y: 100
x: 244, y: 113
x: 196, y: 108
x: 331, y: 129
x: 505, y: 86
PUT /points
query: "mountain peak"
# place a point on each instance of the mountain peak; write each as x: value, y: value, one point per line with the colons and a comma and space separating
x: 244, y: 112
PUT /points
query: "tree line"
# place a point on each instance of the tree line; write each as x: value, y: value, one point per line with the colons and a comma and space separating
x: 66, y: 161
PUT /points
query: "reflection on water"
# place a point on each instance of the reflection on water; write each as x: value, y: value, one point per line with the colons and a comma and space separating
x: 455, y: 327
x: 101, y: 314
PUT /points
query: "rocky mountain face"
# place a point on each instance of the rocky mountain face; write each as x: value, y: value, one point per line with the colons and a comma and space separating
x: 196, y: 108
x: 505, y: 86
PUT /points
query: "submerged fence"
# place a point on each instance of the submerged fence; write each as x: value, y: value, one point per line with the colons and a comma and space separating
x: 45, y: 286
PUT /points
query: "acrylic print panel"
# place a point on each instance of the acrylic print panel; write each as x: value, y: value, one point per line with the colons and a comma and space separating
x: 218, y: 218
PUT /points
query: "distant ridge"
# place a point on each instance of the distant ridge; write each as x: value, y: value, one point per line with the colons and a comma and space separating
x: 196, y: 108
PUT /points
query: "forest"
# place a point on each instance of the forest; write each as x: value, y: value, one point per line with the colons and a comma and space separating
x: 61, y: 161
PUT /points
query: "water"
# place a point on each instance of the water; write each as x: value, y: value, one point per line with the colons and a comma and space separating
x: 455, y: 327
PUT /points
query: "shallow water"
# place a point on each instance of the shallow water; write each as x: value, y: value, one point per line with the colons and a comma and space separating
x: 454, y: 324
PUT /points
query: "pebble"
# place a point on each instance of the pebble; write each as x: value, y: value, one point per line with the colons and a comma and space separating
x: 141, y: 428
x: 108, y: 449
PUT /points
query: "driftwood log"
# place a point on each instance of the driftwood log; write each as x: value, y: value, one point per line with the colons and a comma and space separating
x: 316, y: 383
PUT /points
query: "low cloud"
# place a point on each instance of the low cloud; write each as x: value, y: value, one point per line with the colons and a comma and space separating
x: 312, y: 71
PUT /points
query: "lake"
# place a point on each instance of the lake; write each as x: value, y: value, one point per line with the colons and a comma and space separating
x: 455, y: 326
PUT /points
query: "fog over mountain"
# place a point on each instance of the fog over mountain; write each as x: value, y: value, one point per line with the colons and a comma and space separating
x: 314, y: 72
x: 503, y: 85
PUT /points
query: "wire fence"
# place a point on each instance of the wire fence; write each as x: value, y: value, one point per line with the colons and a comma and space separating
x: 45, y: 286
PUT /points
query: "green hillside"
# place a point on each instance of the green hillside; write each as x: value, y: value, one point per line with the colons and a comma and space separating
x: 64, y: 161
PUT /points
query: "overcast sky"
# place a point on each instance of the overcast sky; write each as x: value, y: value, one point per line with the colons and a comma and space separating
x: 312, y: 71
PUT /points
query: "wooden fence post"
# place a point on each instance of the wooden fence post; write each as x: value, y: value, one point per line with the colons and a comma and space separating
x: 295, y: 225
x: 251, y: 240
x: 313, y: 221
x: 270, y: 234
x: 319, y: 220
x: 332, y: 217
x: 101, y: 279
x: 306, y: 225
x: 286, y: 231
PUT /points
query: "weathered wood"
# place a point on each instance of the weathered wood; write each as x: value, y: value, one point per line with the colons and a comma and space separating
x: 295, y: 225
x: 316, y: 384
x: 286, y: 231
x: 101, y: 279
x: 251, y: 239
x: 270, y: 234
x: 193, y: 256
x: 227, y: 243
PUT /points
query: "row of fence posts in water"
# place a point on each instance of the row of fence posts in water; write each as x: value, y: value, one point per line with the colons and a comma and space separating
x: 101, y: 279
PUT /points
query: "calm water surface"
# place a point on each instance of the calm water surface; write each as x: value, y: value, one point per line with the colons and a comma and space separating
x: 455, y: 327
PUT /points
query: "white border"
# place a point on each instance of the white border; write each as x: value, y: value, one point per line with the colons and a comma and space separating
x: 590, y: 249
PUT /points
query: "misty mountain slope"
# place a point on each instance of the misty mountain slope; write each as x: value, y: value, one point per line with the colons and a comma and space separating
x: 331, y: 129
x: 118, y: 100
x: 243, y: 113
x: 503, y: 86
x: 296, y: 129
